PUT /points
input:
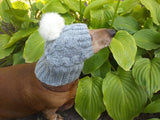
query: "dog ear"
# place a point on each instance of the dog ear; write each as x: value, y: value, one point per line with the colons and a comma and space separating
x: 50, y: 26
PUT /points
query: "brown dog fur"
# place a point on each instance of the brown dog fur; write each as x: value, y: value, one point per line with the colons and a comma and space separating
x: 22, y: 94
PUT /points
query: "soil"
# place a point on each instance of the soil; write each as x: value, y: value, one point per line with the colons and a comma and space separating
x: 71, y: 114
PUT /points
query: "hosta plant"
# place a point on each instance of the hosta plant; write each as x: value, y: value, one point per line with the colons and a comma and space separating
x: 122, y: 79
x: 129, y: 67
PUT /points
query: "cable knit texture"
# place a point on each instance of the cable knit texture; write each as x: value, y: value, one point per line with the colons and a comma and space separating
x: 63, y: 58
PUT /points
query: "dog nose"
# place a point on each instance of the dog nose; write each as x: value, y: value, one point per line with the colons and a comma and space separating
x: 112, y: 32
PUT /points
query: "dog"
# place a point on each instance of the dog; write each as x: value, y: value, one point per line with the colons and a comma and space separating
x: 23, y: 94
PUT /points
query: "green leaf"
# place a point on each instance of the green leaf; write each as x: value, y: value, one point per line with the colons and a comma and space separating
x: 39, y: 5
x: 147, y: 39
x: 153, y: 107
x: 154, y: 7
x: 123, y: 98
x: 95, y: 61
x: 147, y: 74
x: 34, y: 48
x: 157, y: 53
x: 100, y: 17
x: 19, y: 35
x: 54, y: 6
x: 17, y: 12
x: 18, y: 58
x: 153, y: 119
x: 158, y: 1
x: 19, y: 16
x: 73, y: 5
x: 123, y: 47
x: 128, y: 24
x: 128, y: 5
x: 140, y: 13
x: 20, y: 5
x: 103, y: 70
x: 4, y: 38
x: 34, y: 10
x: 69, y: 19
x: 89, y: 98
x: 96, y: 5
x: 155, y: 97
x: 3, y: 7
x: 140, y: 53
x: 148, y: 24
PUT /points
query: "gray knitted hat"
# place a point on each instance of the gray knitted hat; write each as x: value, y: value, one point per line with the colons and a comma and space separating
x: 65, y: 50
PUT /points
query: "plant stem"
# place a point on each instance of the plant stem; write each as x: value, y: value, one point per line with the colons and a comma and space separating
x: 115, y: 13
x: 30, y: 3
x: 113, y: 68
x: 8, y: 4
x: 80, y: 5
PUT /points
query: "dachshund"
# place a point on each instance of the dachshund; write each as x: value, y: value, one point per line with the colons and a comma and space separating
x: 22, y: 94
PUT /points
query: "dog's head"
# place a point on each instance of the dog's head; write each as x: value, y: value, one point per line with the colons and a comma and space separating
x: 101, y: 38
x: 66, y: 48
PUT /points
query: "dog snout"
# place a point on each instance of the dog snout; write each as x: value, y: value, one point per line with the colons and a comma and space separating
x: 111, y: 32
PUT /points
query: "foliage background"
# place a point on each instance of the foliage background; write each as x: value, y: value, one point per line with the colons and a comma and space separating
x: 124, y: 78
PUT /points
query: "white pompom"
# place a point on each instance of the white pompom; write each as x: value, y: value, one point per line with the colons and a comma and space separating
x: 51, y: 25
